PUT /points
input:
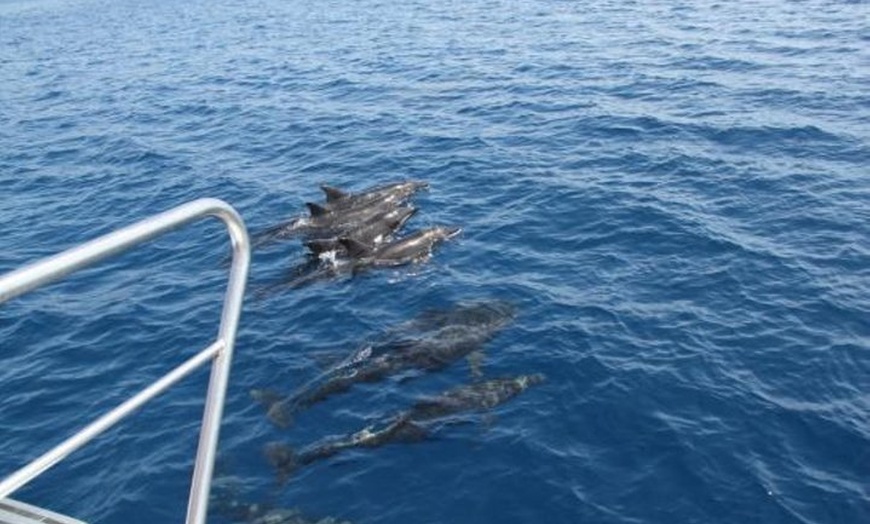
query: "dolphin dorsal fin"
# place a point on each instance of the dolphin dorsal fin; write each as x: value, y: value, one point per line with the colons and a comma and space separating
x: 333, y: 194
x: 316, y: 210
x: 355, y: 248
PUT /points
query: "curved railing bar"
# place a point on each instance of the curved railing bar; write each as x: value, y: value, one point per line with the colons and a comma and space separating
x: 53, y: 268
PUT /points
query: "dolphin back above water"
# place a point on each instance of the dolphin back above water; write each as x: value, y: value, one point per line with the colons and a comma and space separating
x: 359, y: 256
x: 342, y: 211
x: 397, y: 192
x: 408, y: 426
x: 413, y: 248
x: 373, y: 231
x: 476, y: 396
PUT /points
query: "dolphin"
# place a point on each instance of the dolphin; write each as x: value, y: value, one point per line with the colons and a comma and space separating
x: 413, y: 248
x: 357, y: 256
x: 373, y: 232
x: 430, y: 351
x: 397, y: 192
x: 476, y: 396
x: 407, y: 426
x: 323, y: 219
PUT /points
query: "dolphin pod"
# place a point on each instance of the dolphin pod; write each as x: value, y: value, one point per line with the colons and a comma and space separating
x: 352, y: 232
x: 407, y: 426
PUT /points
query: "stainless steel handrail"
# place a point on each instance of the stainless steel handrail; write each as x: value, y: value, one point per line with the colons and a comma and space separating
x: 53, y: 268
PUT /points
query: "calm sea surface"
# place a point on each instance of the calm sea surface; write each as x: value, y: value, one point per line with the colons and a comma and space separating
x: 675, y: 196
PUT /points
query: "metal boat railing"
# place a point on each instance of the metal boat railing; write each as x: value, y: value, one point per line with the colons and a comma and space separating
x: 220, y: 352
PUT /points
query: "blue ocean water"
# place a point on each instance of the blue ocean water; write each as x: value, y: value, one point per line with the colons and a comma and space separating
x: 674, y: 194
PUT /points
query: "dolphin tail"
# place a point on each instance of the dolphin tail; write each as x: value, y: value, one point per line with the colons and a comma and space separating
x: 282, y: 458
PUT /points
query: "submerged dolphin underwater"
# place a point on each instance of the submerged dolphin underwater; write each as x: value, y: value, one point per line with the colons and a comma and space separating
x: 407, y: 426
x: 429, y: 343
